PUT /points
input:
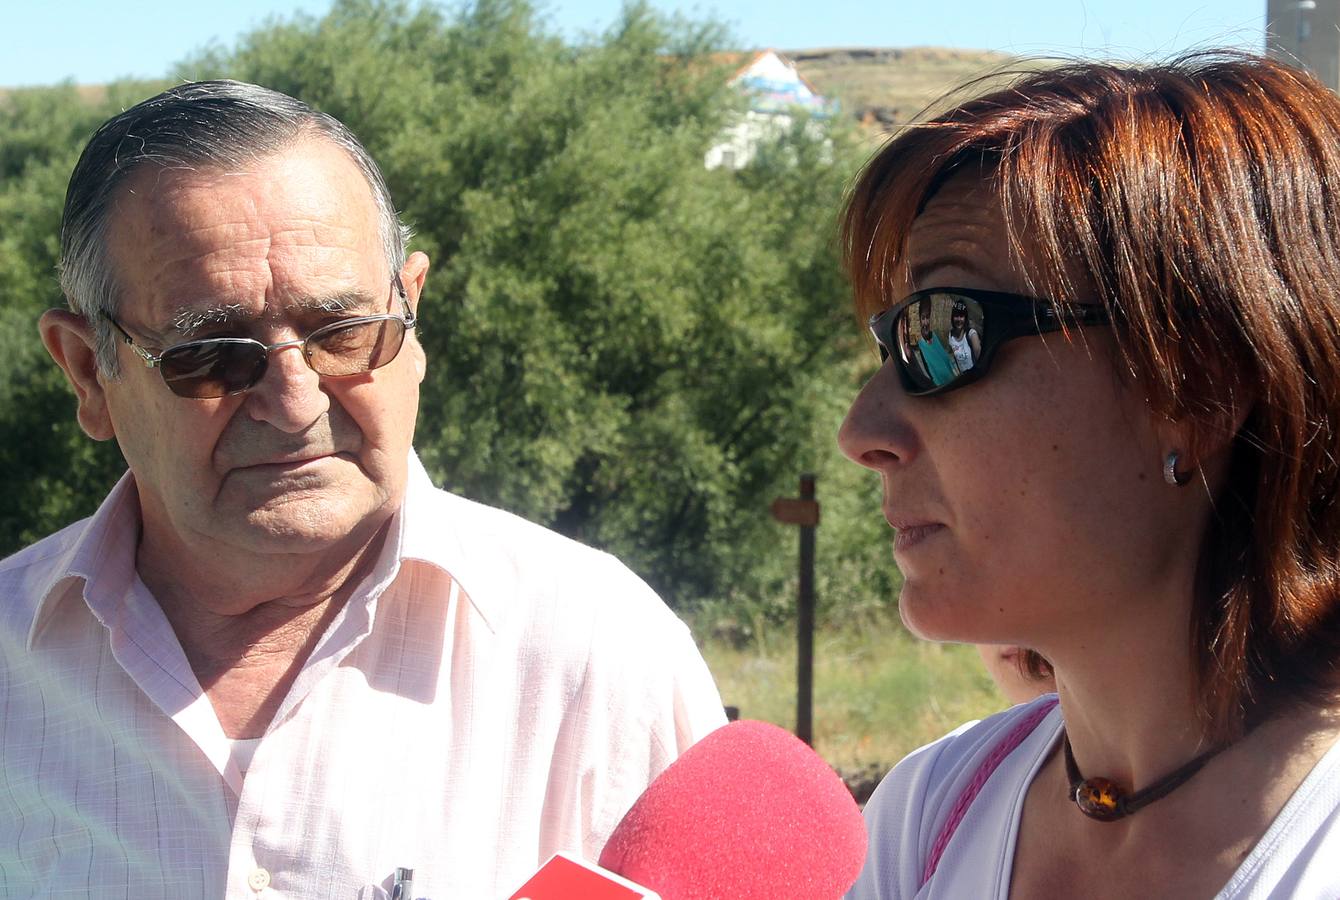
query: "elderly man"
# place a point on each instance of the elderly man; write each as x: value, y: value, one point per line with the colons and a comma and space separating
x: 277, y: 662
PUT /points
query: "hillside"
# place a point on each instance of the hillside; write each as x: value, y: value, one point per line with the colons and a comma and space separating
x: 884, y: 87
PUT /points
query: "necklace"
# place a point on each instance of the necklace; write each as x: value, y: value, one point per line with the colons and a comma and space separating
x: 1102, y: 799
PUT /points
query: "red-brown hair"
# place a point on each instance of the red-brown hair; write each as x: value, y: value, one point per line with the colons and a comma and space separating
x: 1201, y: 200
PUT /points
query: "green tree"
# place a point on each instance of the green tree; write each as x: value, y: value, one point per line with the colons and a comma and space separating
x: 52, y: 473
x: 622, y: 344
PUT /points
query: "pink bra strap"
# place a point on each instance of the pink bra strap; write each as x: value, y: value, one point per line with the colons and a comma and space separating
x: 974, y: 786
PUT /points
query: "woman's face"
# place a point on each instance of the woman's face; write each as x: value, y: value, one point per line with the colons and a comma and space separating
x: 1031, y: 497
x: 1002, y: 663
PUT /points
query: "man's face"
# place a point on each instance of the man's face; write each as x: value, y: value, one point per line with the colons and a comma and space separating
x: 301, y: 462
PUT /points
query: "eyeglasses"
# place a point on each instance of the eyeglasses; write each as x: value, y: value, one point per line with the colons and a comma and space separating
x: 216, y: 367
x: 937, y: 360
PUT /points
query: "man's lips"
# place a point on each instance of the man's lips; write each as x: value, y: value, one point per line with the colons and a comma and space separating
x: 288, y: 461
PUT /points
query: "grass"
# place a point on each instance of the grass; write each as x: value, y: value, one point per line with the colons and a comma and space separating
x: 879, y: 693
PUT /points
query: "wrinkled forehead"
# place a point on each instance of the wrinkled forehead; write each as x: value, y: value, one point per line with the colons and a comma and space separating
x: 299, y: 222
x: 960, y: 239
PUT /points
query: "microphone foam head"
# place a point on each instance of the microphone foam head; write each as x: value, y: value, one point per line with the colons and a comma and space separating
x: 749, y: 812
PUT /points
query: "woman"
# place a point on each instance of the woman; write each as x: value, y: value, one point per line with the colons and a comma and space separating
x: 964, y: 341
x: 1138, y: 478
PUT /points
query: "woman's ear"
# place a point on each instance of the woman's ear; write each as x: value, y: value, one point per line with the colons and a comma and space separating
x: 1203, y: 442
x: 70, y: 342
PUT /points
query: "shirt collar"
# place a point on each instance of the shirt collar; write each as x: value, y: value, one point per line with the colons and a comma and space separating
x: 446, y: 531
x: 102, y: 557
x: 426, y: 529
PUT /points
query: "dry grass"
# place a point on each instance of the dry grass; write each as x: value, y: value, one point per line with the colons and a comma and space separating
x: 879, y: 693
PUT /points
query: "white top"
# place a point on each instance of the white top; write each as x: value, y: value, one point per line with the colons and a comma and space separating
x: 1297, y: 857
x: 492, y: 693
x: 961, y: 347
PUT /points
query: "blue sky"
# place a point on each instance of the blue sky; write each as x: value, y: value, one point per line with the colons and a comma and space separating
x: 97, y: 40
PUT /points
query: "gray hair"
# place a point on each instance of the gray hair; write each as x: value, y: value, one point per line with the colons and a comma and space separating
x: 205, y: 124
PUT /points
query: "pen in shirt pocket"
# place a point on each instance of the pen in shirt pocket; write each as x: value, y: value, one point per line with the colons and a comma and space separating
x: 402, y: 886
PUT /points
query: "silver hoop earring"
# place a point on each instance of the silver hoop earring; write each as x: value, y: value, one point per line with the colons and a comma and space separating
x: 1170, y: 471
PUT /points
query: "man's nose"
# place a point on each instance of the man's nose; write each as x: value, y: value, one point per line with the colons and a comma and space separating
x: 289, y: 395
x: 876, y: 432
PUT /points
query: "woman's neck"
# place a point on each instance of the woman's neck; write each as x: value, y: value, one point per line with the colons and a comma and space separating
x: 1128, y: 690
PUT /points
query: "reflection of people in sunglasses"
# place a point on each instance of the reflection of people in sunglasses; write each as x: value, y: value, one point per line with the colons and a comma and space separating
x: 910, y: 346
x: 932, y: 352
x: 1137, y: 478
x: 964, y: 341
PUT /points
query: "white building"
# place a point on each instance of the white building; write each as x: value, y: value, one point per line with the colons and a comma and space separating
x: 777, y: 94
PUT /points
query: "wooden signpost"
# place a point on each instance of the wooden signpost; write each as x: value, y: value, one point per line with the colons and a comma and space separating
x: 804, y: 512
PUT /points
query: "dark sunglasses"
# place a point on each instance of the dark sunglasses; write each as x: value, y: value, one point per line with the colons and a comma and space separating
x: 216, y: 367
x: 941, y: 360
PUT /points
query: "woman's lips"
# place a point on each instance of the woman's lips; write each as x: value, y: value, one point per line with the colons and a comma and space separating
x: 909, y: 535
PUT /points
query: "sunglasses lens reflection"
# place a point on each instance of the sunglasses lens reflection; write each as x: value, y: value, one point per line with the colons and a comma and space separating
x: 937, y: 339
x: 221, y: 366
x: 213, y: 368
x: 356, y: 348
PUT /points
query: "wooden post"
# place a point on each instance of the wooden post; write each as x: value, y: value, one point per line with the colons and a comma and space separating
x: 805, y: 623
x: 803, y: 511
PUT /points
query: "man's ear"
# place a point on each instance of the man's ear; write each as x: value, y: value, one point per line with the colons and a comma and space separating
x: 69, y: 340
x: 412, y: 277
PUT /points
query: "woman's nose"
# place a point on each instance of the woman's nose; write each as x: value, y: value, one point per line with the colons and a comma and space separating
x: 876, y: 432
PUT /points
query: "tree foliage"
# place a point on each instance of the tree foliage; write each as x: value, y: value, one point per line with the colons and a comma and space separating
x: 622, y: 344
x: 50, y: 473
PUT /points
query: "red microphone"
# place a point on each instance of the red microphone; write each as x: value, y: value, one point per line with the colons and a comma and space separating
x: 749, y: 812
x: 565, y: 877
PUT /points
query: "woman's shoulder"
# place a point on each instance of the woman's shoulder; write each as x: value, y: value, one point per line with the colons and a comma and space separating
x: 936, y: 767
x: 913, y: 802
x: 1296, y: 857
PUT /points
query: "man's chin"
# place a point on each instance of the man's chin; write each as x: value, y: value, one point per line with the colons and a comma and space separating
x: 307, y: 525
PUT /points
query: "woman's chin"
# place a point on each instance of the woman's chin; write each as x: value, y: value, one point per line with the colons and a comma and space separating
x: 928, y: 618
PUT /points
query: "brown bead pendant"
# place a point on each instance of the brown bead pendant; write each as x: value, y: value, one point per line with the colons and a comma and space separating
x: 1099, y: 798
x: 1104, y: 800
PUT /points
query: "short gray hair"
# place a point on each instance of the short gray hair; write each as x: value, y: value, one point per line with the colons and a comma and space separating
x: 204, y: 124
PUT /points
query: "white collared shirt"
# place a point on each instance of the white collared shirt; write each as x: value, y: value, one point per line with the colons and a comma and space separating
x: 492, y: 693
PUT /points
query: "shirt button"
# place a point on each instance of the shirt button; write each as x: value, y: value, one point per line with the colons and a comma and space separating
x: 258, y: 880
